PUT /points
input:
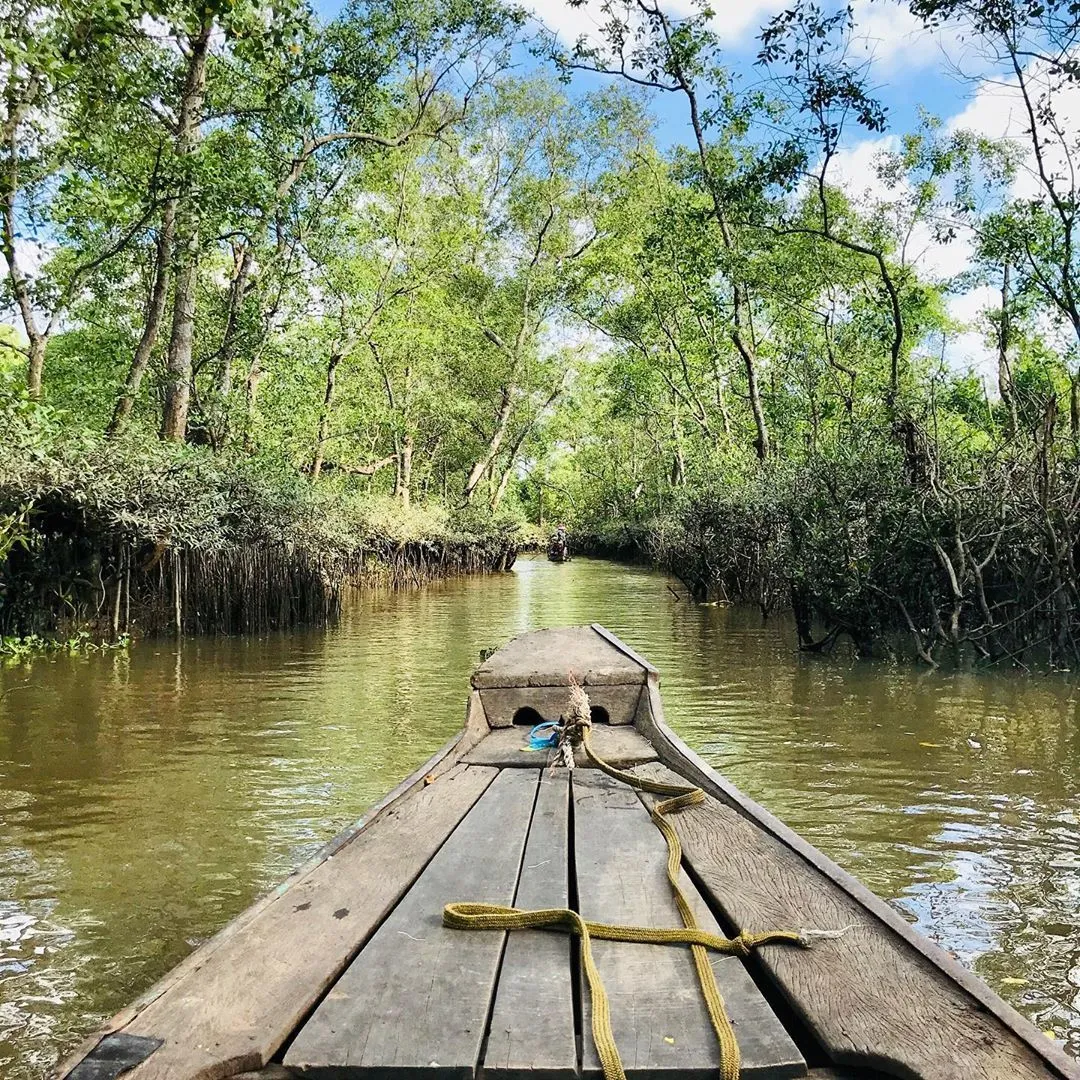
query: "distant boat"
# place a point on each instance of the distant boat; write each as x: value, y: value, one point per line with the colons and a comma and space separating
x: 388, y: 954
x: 558, y: 550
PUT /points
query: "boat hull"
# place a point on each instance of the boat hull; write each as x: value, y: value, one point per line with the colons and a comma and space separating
x: 298, y: 986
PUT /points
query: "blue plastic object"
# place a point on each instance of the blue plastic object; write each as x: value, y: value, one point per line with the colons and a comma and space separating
x: 544, y: 736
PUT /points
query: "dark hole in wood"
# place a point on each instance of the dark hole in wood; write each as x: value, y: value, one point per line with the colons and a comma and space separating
x: 527, y: 715
x: 115, y: 1054
x: 599, y: 715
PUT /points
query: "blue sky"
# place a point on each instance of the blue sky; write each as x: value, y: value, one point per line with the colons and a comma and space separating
x: 911, y: 69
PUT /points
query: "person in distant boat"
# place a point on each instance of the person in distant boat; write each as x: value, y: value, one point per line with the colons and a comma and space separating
x: 560, y: 545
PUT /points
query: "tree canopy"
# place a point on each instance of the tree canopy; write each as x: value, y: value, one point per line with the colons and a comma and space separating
x: 381, y: 256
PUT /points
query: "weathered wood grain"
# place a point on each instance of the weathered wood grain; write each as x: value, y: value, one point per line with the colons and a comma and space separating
x: 418, y: 995
x: 502, y: 705
x: 658, y: 1014
x: 238, y: 1008
x: 621, y: 645
x: 505, y: 748
x: 532, y: 1023
x: 867, y: 996
x: 547, y: 657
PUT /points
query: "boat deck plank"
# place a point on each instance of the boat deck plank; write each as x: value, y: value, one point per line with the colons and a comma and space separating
x: 418, y: 995
x: 508, y: 748
x: 346, y: 970
x: 658, y: 1015
x: 867, y: 996
x: 237, y: 1008
x: 547, y: 657
x: 532, y: 1023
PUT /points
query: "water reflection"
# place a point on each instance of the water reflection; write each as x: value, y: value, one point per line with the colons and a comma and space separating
x: 144, y: 799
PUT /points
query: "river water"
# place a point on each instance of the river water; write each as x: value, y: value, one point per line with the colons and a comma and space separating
x: 147, y: 797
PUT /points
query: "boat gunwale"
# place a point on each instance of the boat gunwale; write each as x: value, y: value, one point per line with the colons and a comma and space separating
x: 673, y: 752
x: 651, y: 723
x: 443, y: 759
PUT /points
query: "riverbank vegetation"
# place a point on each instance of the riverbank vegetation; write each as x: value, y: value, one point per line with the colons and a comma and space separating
x: 294, y: 302
x: 782, y: 412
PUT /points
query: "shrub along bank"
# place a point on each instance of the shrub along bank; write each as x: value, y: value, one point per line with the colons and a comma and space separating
x: 116, y: 537
x: 950, y: 557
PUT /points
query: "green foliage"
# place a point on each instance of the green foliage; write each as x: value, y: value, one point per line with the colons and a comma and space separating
x: 386, y: 300
x: 15, y: 650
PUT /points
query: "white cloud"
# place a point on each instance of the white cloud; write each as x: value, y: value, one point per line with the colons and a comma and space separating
x: 888, y: 34
x: 30, y: 257
x: 970, y: 348
x: 855, y: 168
x: 935, y: 259
x: 968, y: 308
x: 997, y: 110
x: 734, y: 21
x: 969, y: 351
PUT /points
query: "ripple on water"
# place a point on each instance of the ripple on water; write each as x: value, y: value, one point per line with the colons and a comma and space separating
x: 144, y: 803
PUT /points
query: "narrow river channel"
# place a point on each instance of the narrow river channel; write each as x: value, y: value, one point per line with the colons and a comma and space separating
x: 147, y: 797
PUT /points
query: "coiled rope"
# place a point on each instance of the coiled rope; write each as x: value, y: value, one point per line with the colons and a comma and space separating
x: 574, y: 731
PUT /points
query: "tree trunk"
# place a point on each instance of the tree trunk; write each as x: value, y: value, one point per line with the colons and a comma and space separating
x: 678, y: 464
x: 515, y: 449
x: 761, y: 443
x: 237, y: 289
x: 476, y: 474
x: 739, y: 298
x: 155, y: 315
x: 405, y: 479
x: 504, y: 480
x: 17, y: 108
x: 324, y: 416
x: 1005, y: 383
x: 251, y: 392
x: 35, y: 369
x: 186, y: 251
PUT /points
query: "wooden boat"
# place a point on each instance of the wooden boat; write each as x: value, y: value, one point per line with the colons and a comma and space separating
x: 347, y: 969
x: 558, y: 551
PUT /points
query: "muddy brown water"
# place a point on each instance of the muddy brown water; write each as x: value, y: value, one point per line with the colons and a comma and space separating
x: 147, y: 797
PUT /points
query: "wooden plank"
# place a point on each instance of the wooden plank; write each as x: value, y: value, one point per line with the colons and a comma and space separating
x: 237, y: 1009
x: 675, y: 753
x: 547, y: 657
x: 658, y: 1014
x: 867, y: 996
x: 418, y: 995
x: 502, y: 704
x: 621, y: 645
x: 506, y: 748
x: 532, y: 1023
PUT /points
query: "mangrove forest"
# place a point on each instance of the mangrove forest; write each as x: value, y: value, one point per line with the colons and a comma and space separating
x: 296, y: 298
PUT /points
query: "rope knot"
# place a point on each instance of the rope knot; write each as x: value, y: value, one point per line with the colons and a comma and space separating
x: 577, y: 719
x: 743, y: 945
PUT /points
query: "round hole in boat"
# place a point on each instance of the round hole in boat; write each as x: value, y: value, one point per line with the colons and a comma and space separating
x: 599, y: 715
x: 527, y: 715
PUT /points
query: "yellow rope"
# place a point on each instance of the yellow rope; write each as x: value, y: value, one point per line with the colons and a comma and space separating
x: 496, y: 917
